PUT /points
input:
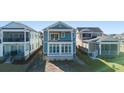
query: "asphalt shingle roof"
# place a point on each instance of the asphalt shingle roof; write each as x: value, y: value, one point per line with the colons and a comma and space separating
x: 59, y: 25
x: 102, y: 38
x: 94, y: 29
x: 16, y: 25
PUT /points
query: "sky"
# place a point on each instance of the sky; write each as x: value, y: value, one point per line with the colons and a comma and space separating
x: 108, y: 27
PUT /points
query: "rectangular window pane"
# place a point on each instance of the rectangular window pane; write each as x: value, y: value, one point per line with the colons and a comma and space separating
x: 54, y: 48
x: 57, y: 48
x: 62, y: 48
x: 50, y: 48
x: 66, y: 48
x: 69, y: 48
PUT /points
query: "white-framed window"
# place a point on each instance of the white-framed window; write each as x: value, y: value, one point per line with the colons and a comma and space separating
x: 62, y: 34
x: 54, y: 36
x: 66, y: 48
x: 53, y: 48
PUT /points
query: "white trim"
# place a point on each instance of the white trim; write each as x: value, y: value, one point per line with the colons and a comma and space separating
x: 13, y: 30
x: 60, y: 42
x: 109, y: 42
x: 14, y: 42
x: 57, y: 30
x: 54, y: 36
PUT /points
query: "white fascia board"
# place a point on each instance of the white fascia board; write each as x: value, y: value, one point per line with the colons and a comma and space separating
x: 13, y: 42
x: 55, y: 30
x: 60, y: 55
x: 13, y: 30
x: 109, y: 42
x: 60, y: 42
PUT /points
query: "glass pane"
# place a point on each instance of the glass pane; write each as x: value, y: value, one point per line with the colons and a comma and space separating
x: 62, y: 48
x: 69, y: 48
x: 66, y: 48
x: 57, y: 48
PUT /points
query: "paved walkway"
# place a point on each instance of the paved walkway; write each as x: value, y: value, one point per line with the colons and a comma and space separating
x: 52, y: 68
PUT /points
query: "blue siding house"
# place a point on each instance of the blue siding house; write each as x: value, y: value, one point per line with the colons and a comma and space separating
x: 59, y: 42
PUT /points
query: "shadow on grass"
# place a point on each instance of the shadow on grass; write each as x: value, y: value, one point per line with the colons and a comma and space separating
x: 118, y: 59
x: 95, y: 65
x: 70, y: 66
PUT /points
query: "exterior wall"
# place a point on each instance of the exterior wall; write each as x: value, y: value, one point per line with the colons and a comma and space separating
x: 79, y: 41
x: 74, y: 42
x: 45, y: 41
x: 33, y: 44
x: 45, y: 48
x: 67, y: 37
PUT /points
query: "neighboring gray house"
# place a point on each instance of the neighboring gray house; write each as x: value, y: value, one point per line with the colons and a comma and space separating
x: 86, y: 33
x: 89, y: 32
x: 95, y: 43
x: 59, y: 41
x: 102, y: 46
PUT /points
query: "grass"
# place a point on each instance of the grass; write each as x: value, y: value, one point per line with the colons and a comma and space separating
x: 116, y: 63
x: 12, y: 68
x: 95, y: 65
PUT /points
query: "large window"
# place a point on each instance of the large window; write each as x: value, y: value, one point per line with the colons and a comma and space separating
x: 13, y: 36
x: 66, y: 48
x: 56, y: 49
x: 53, y: 48
x: 54, y: 36
x: 86, y: 34
x: 27, y: 36
x: 109, y: 49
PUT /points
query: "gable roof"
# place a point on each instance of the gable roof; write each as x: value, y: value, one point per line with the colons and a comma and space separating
x: 93, y: 29
x: 102, y: 38
x: 16, y: 25
x: 59, y: 25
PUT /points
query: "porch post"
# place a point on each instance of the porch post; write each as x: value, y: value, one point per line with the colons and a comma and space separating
x: 60, y: 49
x: 24, y: 41
x: 118, y: 48
x: 100, y: 49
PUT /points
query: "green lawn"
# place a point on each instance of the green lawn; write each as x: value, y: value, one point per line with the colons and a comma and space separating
x: 103, y: 65
x: 12, y: 68
x: 116, y: 63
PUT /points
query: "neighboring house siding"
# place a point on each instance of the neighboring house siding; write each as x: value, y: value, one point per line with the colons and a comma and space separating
x: 74, y: 47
